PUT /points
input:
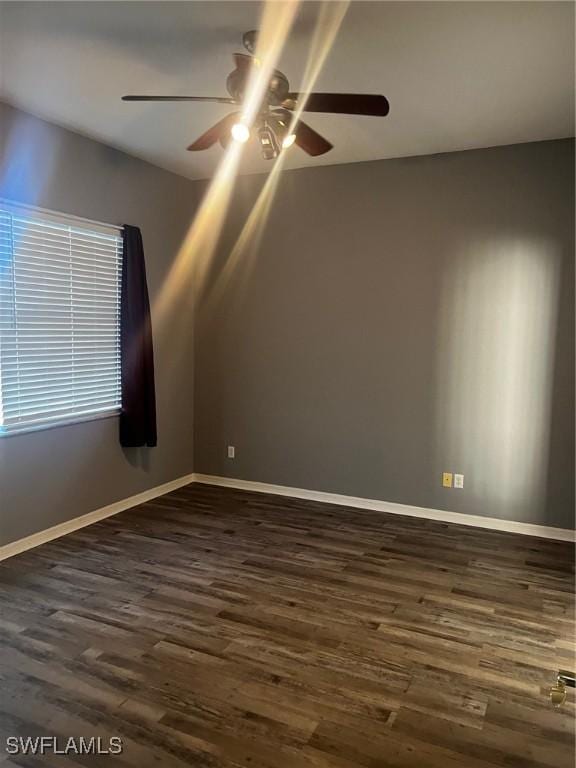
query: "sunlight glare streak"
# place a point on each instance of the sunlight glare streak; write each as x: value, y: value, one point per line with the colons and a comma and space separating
x: 195, y: 255
x: 246, y: 246
x: 275, y: 25
x: 330, y: 17
x: 244, y: 252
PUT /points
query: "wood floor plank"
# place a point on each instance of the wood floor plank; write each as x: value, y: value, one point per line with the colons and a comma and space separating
x: 219, y: 628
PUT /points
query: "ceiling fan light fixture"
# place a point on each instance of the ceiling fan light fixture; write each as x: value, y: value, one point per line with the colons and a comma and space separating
x: 271, y: 127
x: 240, y: 132
x: 269, y: 143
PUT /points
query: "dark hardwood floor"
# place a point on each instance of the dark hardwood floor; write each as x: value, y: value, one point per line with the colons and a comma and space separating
x: 213, y: 627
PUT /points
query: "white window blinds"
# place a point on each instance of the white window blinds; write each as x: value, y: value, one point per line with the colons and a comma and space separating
x: 59, y: 319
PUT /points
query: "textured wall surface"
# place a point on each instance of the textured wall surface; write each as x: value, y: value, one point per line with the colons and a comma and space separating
x: 395, y: 320
x: 390, y: 321
x: 53, y: 475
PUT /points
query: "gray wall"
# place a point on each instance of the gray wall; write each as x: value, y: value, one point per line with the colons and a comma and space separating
x: 398, y: 319
x: 50, y: 476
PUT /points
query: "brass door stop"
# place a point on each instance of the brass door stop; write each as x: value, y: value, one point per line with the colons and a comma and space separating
x: 558, y: 692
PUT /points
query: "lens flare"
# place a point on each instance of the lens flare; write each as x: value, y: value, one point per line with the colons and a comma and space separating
x: 194, y: 260
x: 241, y: 260
x: 240, y: 132
x: 328, y: 23
x: 275, y: 25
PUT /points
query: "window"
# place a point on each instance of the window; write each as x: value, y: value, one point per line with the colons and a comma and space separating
x: 59, y: 319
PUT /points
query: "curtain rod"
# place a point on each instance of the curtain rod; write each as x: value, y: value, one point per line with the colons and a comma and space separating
x: 83, y: 219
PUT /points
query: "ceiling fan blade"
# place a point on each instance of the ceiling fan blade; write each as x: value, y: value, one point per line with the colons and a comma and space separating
x: 310, y: 141
x: 218, y: 99
x: 214, y: 134
x: 341, y: 103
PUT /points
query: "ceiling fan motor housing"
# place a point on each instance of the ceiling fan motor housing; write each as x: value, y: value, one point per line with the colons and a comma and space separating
x: 277, y: 92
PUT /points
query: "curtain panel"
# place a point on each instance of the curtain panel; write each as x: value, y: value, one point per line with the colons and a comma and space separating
x: 138, y: 414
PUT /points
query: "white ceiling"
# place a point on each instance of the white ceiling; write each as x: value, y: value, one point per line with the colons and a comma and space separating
x: 458, y: 75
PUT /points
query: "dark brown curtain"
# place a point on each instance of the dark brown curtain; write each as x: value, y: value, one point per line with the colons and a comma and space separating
x: 138, y: 416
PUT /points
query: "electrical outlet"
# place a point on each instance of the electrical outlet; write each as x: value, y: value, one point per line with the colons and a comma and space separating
x: 458, y: 481
x: 447, y: 479
x: 231, y: 452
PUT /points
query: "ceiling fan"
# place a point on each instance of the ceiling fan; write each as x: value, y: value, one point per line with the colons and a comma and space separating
x: 273, y: 125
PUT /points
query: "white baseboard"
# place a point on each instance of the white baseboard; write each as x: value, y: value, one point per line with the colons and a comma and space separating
x: 491, y: 523
x: 392, y: 507
x: 29, y: 542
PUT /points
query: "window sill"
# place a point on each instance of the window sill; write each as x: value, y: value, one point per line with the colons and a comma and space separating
x: 15, y: 431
